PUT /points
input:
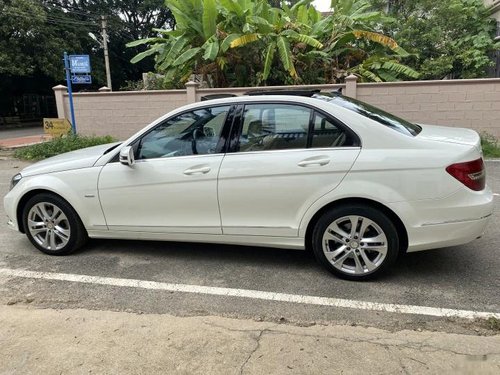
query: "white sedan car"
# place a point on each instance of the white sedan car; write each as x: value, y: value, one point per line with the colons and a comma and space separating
x: 355, y: 184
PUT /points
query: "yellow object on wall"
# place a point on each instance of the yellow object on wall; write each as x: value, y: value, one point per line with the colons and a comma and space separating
x: 56, y: 127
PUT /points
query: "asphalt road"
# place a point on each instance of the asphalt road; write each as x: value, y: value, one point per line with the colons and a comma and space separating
x: 21, y: 132
x: 463, y: 277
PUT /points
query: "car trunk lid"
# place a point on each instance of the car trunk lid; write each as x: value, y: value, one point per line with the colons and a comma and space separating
x: 450, y: 135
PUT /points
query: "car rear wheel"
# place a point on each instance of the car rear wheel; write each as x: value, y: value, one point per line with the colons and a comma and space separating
x: 52, y: 225
x: 355, y: 242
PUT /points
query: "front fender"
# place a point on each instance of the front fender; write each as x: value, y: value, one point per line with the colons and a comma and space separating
x: 78, y: 187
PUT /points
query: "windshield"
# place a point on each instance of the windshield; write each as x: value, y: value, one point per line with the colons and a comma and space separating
x: 374, y: 113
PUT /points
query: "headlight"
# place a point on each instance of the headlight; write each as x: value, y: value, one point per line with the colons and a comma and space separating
x: 15, y: 180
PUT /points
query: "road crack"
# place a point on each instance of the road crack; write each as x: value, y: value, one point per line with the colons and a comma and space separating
x: 257, y: 346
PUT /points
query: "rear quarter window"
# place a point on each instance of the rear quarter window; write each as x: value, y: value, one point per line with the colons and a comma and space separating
x: 377, y: 114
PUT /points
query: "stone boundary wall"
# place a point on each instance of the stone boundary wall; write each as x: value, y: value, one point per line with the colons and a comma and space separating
x: 472, y: 104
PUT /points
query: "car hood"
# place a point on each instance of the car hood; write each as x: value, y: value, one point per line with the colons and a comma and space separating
x: 450, y: 135
x: 83, y: 158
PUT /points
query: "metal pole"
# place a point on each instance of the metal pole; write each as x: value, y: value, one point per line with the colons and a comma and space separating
x: 106, y: 57
x: 70, y: 93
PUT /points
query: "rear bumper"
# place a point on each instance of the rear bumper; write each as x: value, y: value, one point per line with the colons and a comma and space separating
x: 455, y: 220
x: 447, y: 234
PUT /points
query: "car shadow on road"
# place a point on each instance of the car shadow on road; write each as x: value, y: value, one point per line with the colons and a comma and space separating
x: 438, y: 264
x: 196, y: 252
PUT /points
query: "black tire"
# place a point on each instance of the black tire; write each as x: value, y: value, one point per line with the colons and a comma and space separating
x: 77, y: 233
x: 381, y: 221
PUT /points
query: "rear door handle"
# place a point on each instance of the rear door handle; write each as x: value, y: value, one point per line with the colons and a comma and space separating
x: 309, y: 162
x: 197, y: 170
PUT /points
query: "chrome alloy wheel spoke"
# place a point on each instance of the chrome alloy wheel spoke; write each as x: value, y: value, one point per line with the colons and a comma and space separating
x: 370, y: 266
x: 49, y: 226
x: 334, y: 233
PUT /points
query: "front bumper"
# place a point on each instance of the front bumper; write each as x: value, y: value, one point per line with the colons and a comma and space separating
x: 10, y: 209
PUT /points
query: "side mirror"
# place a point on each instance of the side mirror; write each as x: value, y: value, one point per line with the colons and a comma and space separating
x: 127, y: 156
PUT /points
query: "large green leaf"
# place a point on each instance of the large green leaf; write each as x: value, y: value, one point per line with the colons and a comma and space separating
x: 299, y: 4
x: 154, y: 49
x: 268, y: 62
x: 321, y: 26
x: 401, y: 52
x: 209, y: 18
x: 286, y: 56
x: 394, y: 66
x: 232, y: 6
x: 262, y: 24
x: 167, y: 32
x: 142, y: 41
x: 186, y: 56
x: 227, y: 41
x: 211, y: 49
x: 306, y: 39
x: 184, y: 19
x: 174, y: 52
x: 371, y: 76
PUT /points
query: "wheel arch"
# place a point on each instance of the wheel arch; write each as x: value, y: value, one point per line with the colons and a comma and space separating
x: 26, y: 197
x: 398, y: 223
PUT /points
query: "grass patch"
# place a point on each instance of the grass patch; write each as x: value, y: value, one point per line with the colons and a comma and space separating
x: 493, y: 324
x: 490, y: 145
x: 58, y: 146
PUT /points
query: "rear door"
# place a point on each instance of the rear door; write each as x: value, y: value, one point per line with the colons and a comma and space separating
x: 283, y: 158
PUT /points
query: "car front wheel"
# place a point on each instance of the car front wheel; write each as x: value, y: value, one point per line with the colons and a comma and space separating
x: 52, y: 225
x: 355, y: 242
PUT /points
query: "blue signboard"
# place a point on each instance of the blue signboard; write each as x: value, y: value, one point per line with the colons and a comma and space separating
x: 79, y: 64
x: 81, y: 79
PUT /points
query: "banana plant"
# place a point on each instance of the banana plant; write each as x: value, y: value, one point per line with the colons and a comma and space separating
x: 356, y: 46
x: 280, y: 30
x: 193, y: 40
x: 249, y: 42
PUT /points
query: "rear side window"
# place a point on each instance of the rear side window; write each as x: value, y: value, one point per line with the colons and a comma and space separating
x: 377, y: 114
x: 274, y: 127
x: 328, y: 134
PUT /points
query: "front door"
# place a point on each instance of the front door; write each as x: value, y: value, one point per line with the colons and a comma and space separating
x: 172, y: 186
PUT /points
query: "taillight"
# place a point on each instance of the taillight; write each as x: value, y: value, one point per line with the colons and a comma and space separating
x: 471, y: 173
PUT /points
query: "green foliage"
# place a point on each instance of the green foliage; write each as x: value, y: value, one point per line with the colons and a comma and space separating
x: 490, y: 145
x: 447, y: 38
x: 493, y: 324
x: 252, y: 42
x: 60, y: 145
x: 35, y: 33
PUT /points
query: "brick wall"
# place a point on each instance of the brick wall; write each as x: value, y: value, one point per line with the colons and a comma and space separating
x: 120, y: 114
x: 473, y: 104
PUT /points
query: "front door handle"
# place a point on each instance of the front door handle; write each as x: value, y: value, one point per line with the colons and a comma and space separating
x: 197, y: 170
x: 309, y: 162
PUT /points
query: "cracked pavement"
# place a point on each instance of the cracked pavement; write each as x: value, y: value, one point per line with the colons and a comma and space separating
x: 82, y: 341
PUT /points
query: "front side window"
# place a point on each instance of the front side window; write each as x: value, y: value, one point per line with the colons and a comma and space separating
x: 274, y: 127
x: 191, y: 133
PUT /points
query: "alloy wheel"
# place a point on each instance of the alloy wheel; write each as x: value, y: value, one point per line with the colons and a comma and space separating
x: 355, y: 245
x: 49, y: 226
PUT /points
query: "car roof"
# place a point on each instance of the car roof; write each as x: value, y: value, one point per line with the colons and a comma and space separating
x: 259, y: 99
